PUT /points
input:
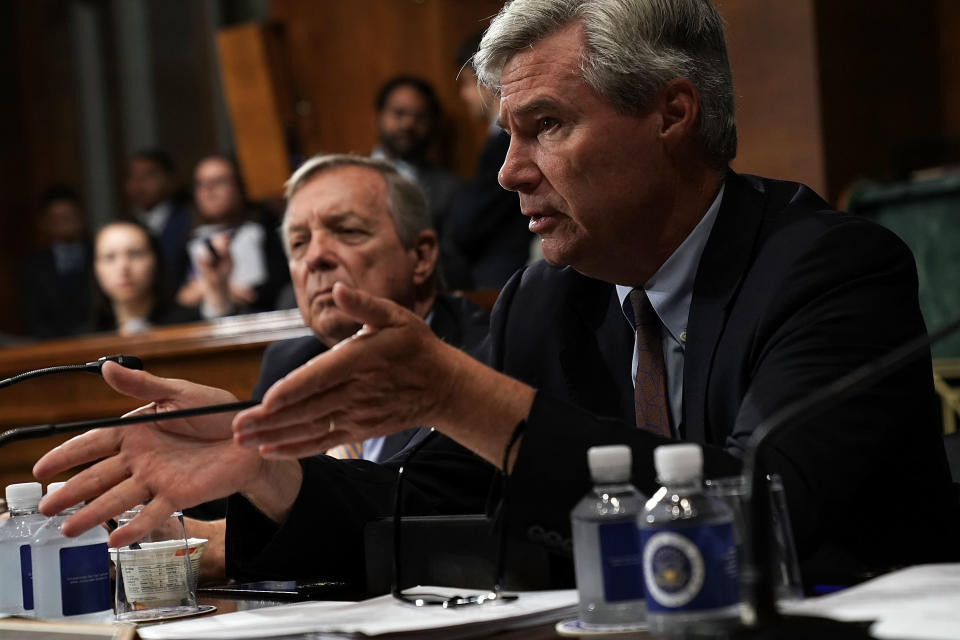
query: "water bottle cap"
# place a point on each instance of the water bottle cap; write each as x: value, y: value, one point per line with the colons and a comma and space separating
x: 678, y: 461
x: 53, y: 486
x: 610, y: 463
x: 24, y: 495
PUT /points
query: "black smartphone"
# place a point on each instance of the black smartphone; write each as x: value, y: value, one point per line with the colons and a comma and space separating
x: 214, y: 256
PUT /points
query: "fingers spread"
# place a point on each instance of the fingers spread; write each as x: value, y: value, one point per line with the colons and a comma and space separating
x: 153, y: 514
x: 120, y: 498
x: 86, y: 485
x: 82, y: 449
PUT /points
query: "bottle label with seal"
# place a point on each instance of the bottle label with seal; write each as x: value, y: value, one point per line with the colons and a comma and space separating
x: 85, y: 579
x: 690, y: 569
x: 621, y: 561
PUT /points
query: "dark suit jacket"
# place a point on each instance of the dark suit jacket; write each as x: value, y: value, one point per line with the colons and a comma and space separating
x: 55, y: 304
x: 788, y: 297
x: 351, y: 492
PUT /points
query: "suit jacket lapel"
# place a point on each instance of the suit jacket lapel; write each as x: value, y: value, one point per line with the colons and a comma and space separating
x: 725, y: 259
x: 596, y: 351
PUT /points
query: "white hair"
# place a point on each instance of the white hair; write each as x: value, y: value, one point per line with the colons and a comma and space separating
x: 633, y: 49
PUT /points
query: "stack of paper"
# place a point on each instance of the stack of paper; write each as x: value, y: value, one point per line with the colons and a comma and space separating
x: 919, y: 603
x: 376, y: 617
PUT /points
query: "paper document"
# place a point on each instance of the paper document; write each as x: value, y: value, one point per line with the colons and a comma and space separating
x: 918, y: 603
x: 375, y: 617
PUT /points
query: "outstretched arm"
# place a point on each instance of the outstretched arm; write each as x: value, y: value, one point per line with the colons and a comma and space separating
x: 392, y: 374
x: 172, y: 463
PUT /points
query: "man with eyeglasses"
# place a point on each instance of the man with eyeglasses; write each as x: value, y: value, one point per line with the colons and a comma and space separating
x: 679, y: 300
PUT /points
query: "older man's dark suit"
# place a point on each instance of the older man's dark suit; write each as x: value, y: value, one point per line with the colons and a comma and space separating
x: 788, y: 296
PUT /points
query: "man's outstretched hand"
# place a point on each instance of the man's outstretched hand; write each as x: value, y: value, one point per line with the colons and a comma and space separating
x: 391, y: 375
x: 172, y: 463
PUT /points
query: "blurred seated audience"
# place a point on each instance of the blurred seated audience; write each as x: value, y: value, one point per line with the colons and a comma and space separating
x: 56, y: 285
x: 151, y: 194
x: 130, y: 295
x: 237, y: 262
x: 485, y: 231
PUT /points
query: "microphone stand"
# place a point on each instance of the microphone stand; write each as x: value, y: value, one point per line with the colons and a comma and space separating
x: 44, y: 430
x: 758, y: 578
x: 130, y: 362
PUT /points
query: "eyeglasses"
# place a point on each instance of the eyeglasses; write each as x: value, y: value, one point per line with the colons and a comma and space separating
x: 496, y: 594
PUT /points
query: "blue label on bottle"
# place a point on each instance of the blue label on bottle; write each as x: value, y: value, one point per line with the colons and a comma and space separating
x: 84, y: 579
x: 690, y: 569
x: 621, y: 561
x: 26, y: 576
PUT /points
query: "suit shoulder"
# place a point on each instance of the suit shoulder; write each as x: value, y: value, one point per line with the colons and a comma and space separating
x: 302, y: 348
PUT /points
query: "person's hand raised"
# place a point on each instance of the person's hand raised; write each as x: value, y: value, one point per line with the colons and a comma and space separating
x: 394, y: 373
x: 172, y: 463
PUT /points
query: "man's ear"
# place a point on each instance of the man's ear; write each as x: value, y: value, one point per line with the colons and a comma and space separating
x: 679, y: 106
x: 425, y: 250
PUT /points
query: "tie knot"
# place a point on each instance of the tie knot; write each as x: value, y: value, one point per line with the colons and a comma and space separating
x: 644, y: 314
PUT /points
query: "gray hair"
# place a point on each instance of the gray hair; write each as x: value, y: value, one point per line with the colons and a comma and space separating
x: 633, y: 49
x: 405, y: 200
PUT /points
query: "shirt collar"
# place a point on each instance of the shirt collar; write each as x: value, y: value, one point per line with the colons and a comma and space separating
x: 407, y: 169
x: 670, y: 289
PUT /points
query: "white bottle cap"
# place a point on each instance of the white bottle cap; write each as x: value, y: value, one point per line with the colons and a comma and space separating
x: 24, y: 495
x: 675, y: 462
x: 609, y: 463
x: 53, y: 486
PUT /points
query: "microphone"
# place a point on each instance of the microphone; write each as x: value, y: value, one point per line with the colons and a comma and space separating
x: 130, y: 362
x: 44, y: 430
x: 757, y: 571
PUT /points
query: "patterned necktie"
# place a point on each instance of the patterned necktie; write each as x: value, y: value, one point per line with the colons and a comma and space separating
x: 352, y: 451
x: 650, y: 390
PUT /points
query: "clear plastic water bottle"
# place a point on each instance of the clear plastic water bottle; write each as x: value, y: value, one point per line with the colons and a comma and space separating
x: 71, y: 576
x: 689, y: 552
x: 16, y: 585
x: 606, y: 542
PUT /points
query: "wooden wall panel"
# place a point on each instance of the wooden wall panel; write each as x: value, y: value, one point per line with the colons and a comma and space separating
x: 880, y: 87
x: 948, y: 23
x: 773, y: 57
x: 254, y: 87
x: 39, y: 144
x: 341, y: 52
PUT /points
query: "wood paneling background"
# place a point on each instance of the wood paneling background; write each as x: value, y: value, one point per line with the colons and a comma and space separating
x: 340, y: 53
x: 826, y: 91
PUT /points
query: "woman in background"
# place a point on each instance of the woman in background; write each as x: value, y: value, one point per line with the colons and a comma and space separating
x: 237, y: 261
x: 129, y: 276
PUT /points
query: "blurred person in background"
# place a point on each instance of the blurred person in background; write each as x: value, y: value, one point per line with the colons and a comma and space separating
x: 485, y: 229
x: 56, y: 285
x: 237, y: 262
x: 130, y: 295
x: 151, y: 193
x: 408, y: 119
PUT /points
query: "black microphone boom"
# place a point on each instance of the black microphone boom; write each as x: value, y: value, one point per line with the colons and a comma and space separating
x: 130, y: 362
x: 758, y: 575
x: 44, y: 430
